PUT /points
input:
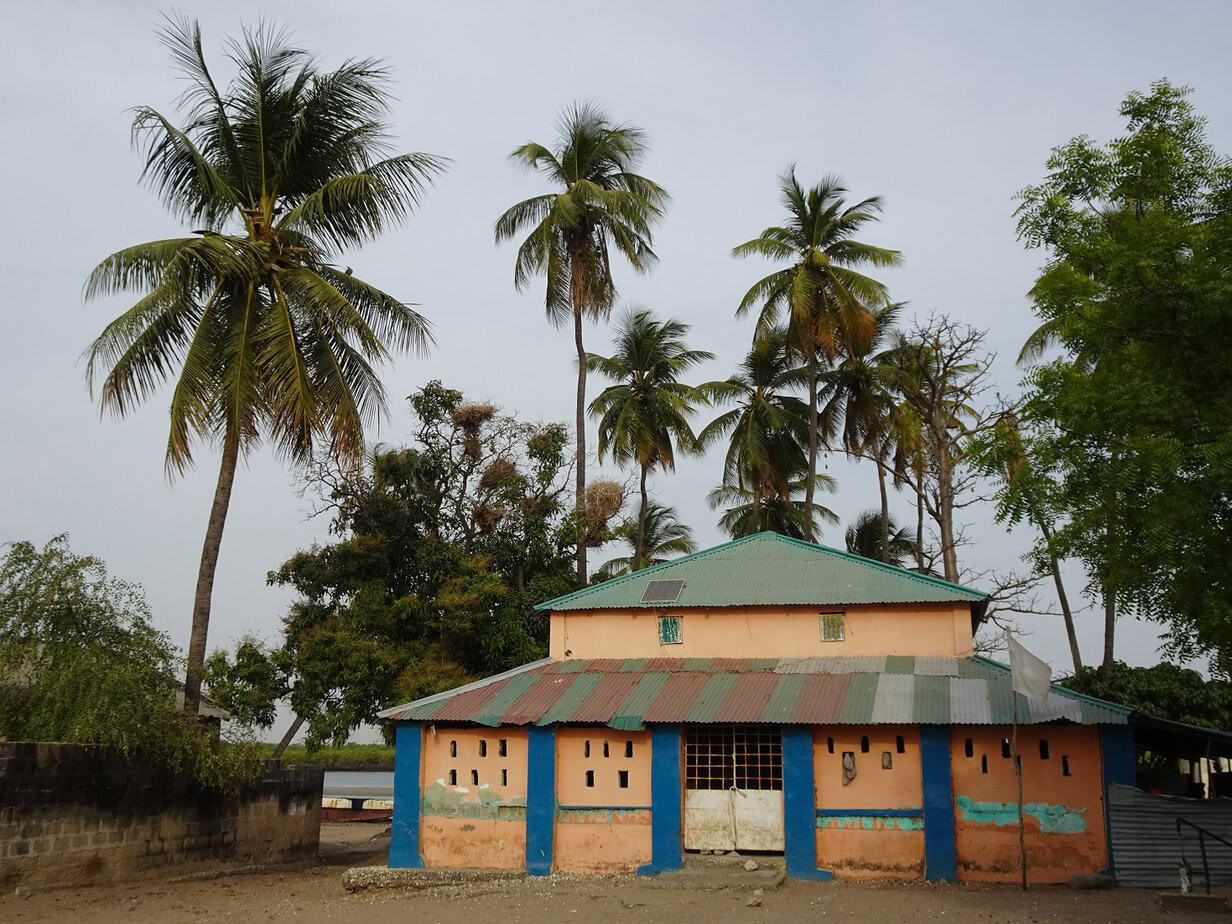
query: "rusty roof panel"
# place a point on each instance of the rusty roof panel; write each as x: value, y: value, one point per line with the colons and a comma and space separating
x: 604, y: 699
x: 570, y: 699
x: 546, y: 690
x: 748, y: 698
x: 676, y: 698
x: 711, y: 698
x: 627, y: 693
x: 821, y: 700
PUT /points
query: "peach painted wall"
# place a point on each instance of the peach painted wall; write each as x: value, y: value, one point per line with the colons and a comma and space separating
x: 764, y: 632
x: 604, y: 828
x: 1064, y: 815
x: 855, y: 845
x: 465, y: 824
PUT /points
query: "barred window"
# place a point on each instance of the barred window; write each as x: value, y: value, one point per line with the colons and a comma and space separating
x: 831, y: 627
x: 740, y: 756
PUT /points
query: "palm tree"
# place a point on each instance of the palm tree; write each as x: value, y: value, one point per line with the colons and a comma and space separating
x: 780, y: 507
x: 865, y: 536
x: 766, y: 431
x: 666, y: 536
x: 648, y: 408
x: 601, y: 204
x: 860, y: 406
x: 279, y: 171
x: 825, y: 299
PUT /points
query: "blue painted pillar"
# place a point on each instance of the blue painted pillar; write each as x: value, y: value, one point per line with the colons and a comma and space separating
x: 666, y: 794
x: 800, y: 805
x: 940, y: 858
x: 540, y: 798
x: 1116, y: 745
x: 404, y: 834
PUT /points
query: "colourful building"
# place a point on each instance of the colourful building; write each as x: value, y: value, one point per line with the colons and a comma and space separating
x: 763, y: 695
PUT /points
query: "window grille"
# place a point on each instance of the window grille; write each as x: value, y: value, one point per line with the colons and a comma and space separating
x: 740, y: 756
x: 669, y: 630
x: 831, y: 627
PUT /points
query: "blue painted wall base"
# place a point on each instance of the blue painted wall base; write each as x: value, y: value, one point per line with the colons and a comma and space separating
x: 940, y: 854
x: 404, y: 831
x: 540, y: 799
x: 666, y: 795
x: 1116, y: 746
x: 799, y: 805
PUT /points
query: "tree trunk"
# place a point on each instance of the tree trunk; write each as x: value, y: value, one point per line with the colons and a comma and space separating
x: 811, y: 488
x: 945, y: 511
x: 919, y: 523
x: 1055, y: 567
x: 1105, y: 669
x: 205, y: 575
x: 580, y: 424
x: 885, y: 510
x: 639, y: 546
x: 286, y: 739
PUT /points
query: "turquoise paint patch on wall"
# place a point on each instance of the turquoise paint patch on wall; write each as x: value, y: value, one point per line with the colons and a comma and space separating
x: 1053, y: 819
x: 603, y: 815
x: 870, y: 822
x: 478, y: 802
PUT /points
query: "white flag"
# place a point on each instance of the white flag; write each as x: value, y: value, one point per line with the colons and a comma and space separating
x: 1031, y: 676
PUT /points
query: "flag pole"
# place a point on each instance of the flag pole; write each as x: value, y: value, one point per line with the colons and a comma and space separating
x: 1022, y: 839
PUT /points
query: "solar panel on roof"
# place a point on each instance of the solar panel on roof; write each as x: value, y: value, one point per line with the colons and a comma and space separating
x: 662, y: 591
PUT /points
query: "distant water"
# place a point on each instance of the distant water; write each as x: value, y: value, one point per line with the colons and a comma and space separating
x: 359, y: 783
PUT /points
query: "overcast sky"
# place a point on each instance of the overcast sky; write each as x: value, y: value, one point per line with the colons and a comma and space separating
x: 945, y: 110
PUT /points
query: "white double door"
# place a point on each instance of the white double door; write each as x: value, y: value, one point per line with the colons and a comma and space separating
x: 733, y: 788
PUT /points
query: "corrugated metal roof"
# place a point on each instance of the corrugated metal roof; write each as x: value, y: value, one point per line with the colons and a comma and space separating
x: 808, y: 691
x: 770, y: 569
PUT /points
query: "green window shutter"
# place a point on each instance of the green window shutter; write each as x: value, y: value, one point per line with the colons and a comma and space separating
x: 832, y: 627
x: 669, y: 630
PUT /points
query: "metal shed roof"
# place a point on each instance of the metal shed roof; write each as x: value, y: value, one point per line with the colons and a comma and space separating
x: 767, y: 568
x: 628, y: 693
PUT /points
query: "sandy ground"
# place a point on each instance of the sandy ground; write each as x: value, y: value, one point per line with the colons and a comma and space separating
x: 316, y: 894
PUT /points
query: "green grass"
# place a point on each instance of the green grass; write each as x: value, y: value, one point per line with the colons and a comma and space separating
x: 347, y: 757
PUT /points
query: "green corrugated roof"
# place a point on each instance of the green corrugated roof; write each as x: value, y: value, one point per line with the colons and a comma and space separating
x: 769, y: 569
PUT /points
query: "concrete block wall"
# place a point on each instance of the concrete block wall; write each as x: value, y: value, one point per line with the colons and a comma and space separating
x: 75, y: 814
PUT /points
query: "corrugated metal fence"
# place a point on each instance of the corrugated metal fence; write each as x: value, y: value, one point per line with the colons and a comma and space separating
x: 1145, y: 846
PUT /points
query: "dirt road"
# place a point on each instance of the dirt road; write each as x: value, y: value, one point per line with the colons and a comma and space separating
x: 316, y: 894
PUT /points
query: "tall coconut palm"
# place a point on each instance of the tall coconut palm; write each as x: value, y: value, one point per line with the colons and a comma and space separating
x: 780, y: 507
x: 859, y: 404
x: 644, y: 417
x: 278, y: 171
x: 825, y: 298
x: 865, y: 536
x: 665, y: 537
x: 767, y: 429
x: 600, y: 204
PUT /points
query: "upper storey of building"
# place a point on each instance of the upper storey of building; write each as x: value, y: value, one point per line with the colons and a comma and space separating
x: 766, y: 596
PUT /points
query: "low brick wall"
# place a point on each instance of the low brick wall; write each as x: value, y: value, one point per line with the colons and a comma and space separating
x: 77, y: 815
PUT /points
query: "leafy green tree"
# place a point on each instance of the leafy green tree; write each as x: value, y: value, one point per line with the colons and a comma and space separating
x: 766, y: 430
x: 601, y: 204
x: 781, y: 507
x: 644, y: 417
x: 866, y: 534
x: 278, y: 172
x: 1134, y: 415
x: 443, y: 548
x: 860, y: 405
x: 81, y: 661
x: 1165, y: 691
x: 665, y: 537
x: 826, y: 300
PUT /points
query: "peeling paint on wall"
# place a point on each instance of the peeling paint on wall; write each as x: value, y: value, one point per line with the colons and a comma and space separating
x: 598, y: 816
x: 1053, y: 819
x: 870, y: 822
x: 472, y: 802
